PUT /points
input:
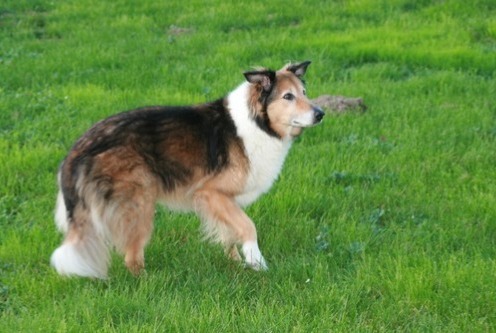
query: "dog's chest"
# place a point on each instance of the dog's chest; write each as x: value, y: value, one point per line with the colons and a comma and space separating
x: 266, y: 156
x: 265, y: 153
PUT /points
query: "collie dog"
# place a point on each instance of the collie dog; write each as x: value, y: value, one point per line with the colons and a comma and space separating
x: 211, y: 159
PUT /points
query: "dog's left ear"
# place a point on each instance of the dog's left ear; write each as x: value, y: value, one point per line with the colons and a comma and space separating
x: 264, y: 78
x: 299, y: 69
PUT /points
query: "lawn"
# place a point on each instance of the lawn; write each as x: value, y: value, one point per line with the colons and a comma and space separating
x: 380, y: 222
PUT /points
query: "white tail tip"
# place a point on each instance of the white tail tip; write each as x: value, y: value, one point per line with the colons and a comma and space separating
x: 70, y: 260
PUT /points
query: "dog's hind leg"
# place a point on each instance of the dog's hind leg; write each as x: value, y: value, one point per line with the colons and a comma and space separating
x: 141, y: 227
x: 132, y: 225
x: 224, y: 221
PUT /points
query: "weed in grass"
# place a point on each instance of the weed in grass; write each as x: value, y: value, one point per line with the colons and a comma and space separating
x: 322, y: 239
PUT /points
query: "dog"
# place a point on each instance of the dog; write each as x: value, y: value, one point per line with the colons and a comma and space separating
x: 212, y: 159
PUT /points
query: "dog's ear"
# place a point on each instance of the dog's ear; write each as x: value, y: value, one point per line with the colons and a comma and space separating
x: 264, y: 78
x: 299, y: 69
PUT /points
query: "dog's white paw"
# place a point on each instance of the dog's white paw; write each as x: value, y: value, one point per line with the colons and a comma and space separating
x: 253, y: 257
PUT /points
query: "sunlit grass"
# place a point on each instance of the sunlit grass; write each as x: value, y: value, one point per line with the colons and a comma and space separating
x: 382, y: 221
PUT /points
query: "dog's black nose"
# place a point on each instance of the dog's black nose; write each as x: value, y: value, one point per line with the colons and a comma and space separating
x: 319, y: 114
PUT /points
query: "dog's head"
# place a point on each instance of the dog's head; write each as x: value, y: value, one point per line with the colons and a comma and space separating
x: 278, y: 100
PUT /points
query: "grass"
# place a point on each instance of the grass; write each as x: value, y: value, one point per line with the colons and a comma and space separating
x: 379, y: 222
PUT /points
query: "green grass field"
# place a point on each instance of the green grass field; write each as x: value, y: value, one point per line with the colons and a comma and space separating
x: 379, y: 222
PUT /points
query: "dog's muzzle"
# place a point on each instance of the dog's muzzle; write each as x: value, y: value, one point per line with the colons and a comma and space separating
x: 308, y: 119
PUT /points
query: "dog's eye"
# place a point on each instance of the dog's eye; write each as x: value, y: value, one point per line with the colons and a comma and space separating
x: 289, y: 96
x: 304, y: 92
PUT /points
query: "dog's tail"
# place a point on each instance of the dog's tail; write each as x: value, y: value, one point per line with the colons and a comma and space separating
x: 84, y: 251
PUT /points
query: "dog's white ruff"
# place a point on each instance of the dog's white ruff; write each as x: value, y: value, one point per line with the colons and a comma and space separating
x: 266, y: 153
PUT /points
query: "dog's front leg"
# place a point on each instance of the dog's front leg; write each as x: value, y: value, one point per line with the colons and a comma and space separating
x: 225, y: 222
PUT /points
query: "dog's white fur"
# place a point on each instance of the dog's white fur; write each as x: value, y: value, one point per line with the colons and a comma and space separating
x: 266, y: 153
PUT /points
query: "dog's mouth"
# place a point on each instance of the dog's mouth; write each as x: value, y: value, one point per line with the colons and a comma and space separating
x: 301, y: 124
x: 296, y: 123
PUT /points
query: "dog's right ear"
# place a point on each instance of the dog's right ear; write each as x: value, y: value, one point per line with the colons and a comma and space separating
x: 263, y: 78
